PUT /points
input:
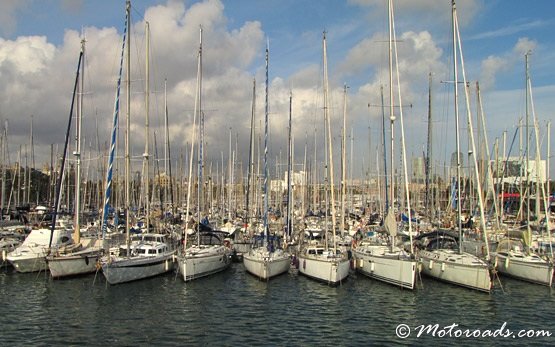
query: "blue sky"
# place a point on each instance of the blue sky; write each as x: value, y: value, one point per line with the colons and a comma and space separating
x: 495, y: 34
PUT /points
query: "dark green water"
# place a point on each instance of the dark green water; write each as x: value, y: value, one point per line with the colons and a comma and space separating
x: 235, y: 309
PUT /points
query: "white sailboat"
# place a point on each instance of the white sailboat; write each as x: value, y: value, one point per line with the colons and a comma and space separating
x: 266, y: 259
x: 389, y: 263
x: 153, y: 255
x: 320, y: 261
x: 442, y: 256
x: 209, y: 254
x: 513, y: 260
x: 513, y: 257
x: 30, y: 256
x: 83, y: 258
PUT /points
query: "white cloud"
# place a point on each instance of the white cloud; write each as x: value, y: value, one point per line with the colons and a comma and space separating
x: 8, y: 11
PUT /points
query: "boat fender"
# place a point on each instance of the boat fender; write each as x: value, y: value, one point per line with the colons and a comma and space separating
x: 507, y: 262
x: 372, y: 266
x: 4, y: 255
x: 86, y: 260
x: 442, y: 266
x: 431, y: 264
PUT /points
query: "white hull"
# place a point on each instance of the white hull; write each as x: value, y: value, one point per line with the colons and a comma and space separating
x: 378, y: 263
x: 30, y: 256
x: 263, y: 264
x: 32, y: 261
x: 526, y: 268
x: 121, y: 270
x: 73, y: 264
x: 462, y: 269
x: 329, y: 270
x: 207, y: 261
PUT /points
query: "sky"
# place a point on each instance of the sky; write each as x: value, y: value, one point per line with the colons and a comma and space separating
x: 40, y: 43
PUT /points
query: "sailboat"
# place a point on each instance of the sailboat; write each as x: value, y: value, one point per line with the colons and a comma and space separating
x: 513, y: 257
x: 84, y: 256
x: 389, y: 263
x: 318, y: 260
x: 266, y: 258
x: 209, y: 254
x: 31, y: 255
x: 152, y: 255
x: 442, y: 256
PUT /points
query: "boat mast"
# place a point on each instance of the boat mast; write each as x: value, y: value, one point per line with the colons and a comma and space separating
x: 457, y: 139
x: 77, y: 153
x: 195, y: 111
x: 266, y: 231
x: 113, y: 140
x: 473, y: 144
x: 403, y: 146
x: 200, y: 207
x: 128, y: 128
x: 169, y: 154
x: 428, y: 200
x: 64, y: 155
x: 289, y: 229
x: 330, y: 152
x: 343, y: 160
x: 147, y: 118
x: 251, y: 161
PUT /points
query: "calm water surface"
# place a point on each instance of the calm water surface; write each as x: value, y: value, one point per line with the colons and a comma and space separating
x: 233, y: 309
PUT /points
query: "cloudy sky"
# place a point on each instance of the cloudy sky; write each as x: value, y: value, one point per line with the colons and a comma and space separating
x: 40, y: 42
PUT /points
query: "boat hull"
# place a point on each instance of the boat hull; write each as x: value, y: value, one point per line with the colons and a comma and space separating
x: 132, y: 269
x: 331, y: 271
x: 265, y: 265
x: 530, y: 271
x: 31, y: 262
x: 470, y: 272
x: 78, y: 263
x: 196, y: 266
x: 397, y: 271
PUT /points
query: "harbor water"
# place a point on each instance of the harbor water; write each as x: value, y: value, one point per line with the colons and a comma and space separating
x: 235, y: 309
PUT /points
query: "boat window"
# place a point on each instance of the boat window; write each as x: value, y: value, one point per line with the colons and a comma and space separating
x: 320, y: 251
x: 65, y: 239
x: 141, y: 251
x: 151, y: 251
x: 311, y: 251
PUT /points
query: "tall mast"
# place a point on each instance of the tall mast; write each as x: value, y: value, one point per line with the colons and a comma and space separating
x: 330, y: 152
x: 251, y: 161
x: 266, y: 231
x: 403, y: 146
x: 195, y: 111
x: 429, y: 146
x: 473, y: 148
x: 200, y: 158
x: 64, y: 155
x: 147, y: 119
x: 77, y: 153
x: 343, y: 160
x: 289, y: 229
x: 128, y: 127
x: 456, y: 101
x: 391, y: 106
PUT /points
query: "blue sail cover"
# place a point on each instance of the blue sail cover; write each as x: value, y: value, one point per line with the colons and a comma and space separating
x: 108, y: 191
